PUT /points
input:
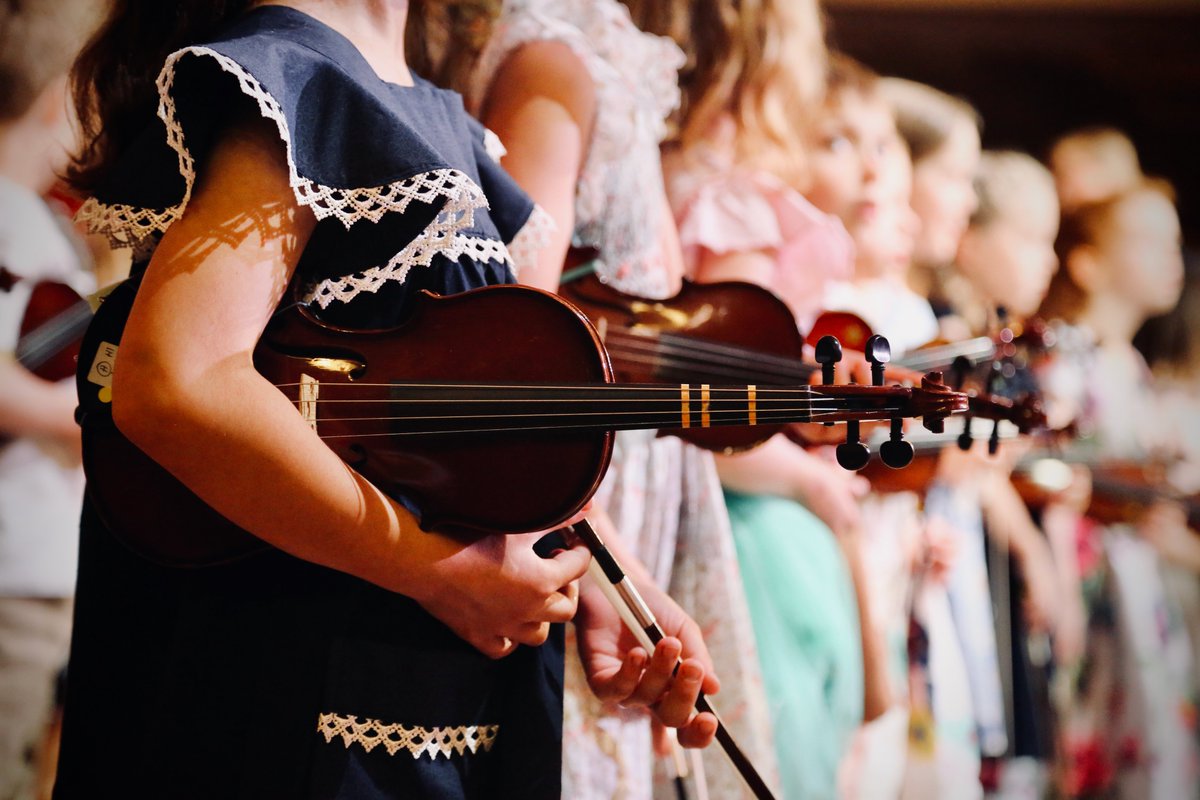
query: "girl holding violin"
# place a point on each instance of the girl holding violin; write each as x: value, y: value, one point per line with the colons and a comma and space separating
x: 863, y: 174
x: 1005, y: 260
x: 579, y: 98
x: 735, y: 172
x: 1121, y: 264
x: 259, y: 153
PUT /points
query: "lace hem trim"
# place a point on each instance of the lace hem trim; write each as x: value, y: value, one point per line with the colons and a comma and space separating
x: 419, y: 252
x: 131, y: 226
x: 531, y: 239
x: 415, y: 739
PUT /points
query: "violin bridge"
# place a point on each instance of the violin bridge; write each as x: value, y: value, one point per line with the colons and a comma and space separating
x: 309, y: 389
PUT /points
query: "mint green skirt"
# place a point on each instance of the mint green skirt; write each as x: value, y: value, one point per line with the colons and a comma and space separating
x: 805, y: 620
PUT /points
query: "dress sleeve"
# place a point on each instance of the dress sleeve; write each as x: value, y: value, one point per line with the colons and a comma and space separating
x: 356, y: 158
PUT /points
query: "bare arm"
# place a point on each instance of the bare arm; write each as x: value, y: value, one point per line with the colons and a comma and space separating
x: 753, y: 266
x: 30, y: 406
x: 541, y: 104
x: 186, y: 392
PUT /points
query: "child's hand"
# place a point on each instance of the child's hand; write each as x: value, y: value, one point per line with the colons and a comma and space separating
x: 620, y: 671
x: 495, y: 592
x: 941, y: 541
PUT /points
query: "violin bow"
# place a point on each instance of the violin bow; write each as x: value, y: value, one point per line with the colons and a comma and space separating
x: 625, y: 598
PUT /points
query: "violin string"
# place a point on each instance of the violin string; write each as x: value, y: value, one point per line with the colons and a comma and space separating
x: 718, y: 414
x: 672, y: 388
x: 602, y: 425
x: 708, y: 352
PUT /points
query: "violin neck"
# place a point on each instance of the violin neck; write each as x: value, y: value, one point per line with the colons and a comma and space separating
x: 418, y: 408
x: 941, y: 357
x: 49, y: 338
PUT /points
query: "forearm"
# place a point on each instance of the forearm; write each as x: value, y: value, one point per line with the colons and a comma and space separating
x: 777, y: 467
x: 1008, y: 518
x: 243, y: 448
x: 877, y: 694
x: 30, y: 406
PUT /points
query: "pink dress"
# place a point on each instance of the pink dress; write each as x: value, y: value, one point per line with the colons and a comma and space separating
x: 723, y: 209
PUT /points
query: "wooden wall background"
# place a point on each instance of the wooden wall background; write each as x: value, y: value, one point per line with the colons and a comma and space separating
x: 1038, y: 68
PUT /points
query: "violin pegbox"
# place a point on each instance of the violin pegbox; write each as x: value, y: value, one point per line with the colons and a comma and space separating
x: 934, y: 401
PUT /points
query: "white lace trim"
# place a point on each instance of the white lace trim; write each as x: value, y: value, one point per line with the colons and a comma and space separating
x: 531, y: 240
x: 493, y: 146
x: 419, y: 252
x: 129, y: 226
x: 416, y: 739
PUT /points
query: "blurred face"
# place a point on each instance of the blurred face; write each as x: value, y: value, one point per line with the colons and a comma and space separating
x: 1011, y: 259
x: 1086, y: 174
x: 884, y: 243
x: 849, y: 142
x: 1142, y: 253
x: 944, y: 194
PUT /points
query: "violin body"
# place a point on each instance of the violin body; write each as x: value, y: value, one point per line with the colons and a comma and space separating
x: 52, y: 330
x: 506, y: 482
x: 649, y: 341
x: 490, y: 411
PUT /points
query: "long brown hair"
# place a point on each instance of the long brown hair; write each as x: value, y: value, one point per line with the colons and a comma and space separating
x: 444, y: 38
x: 112, y: 80
x: 762, y: 62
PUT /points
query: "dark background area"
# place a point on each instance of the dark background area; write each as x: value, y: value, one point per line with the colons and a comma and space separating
x: 1036, y: 70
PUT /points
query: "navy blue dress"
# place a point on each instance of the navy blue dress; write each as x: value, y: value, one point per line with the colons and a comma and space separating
x: 275, y: 677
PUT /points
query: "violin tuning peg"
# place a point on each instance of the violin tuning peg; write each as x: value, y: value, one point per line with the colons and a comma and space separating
x: 895, y: 452
x: 828, y: 354
x: 853, y: 454
x: 965, y: 439
x: 879, y: 352
x: 959, y: 369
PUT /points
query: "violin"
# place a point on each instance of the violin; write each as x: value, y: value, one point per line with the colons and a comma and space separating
x: 512, y: 437
x: 729, y: 330
x: 1121, y: 491
x: 1024, y: 417
x: 51, y: 329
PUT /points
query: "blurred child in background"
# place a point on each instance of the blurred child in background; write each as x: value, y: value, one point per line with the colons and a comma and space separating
x: 41, y: 482
x: 1093, y: 164
x: 1129, y: 724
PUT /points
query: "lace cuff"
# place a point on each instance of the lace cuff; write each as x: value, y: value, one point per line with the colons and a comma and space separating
x: 531, y: 240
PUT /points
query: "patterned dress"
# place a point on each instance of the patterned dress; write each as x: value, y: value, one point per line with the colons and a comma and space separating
x: 802, y: 599
x: 663, y: 494
x: 1128, y: 707
x: 272, y: 676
